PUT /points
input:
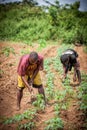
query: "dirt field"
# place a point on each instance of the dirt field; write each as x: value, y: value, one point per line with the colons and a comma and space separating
x: 8, y: 84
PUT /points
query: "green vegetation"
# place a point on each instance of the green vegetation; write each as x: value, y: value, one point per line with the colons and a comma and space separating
x: 42, y: 44
x: 27, y: 126
x: 54, y: 124
x: 27, y: 22
x: 7, y: 50
x: 28, y: 116
x: 82, y: 96
x: 25, y: 51
x: 39, y: 103
x: 83, y: 93
x: 62, y: 99
x: 1, y: 73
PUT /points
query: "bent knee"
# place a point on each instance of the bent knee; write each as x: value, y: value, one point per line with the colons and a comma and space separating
x: 37, y: 86
x: 20, y: 88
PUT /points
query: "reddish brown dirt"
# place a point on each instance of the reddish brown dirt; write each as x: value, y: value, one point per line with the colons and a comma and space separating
x: 8, y: 84
x: 82, y: 58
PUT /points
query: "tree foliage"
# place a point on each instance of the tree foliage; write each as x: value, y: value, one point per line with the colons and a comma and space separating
x: 27, y: 22
x: 30, y: 2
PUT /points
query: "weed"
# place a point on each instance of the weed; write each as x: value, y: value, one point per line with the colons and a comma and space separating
x: 50, y: 85
x: 83, y: 93
x: 27, y: 126
x: 39, y: 103
x: 54, y: 124
x: 29, y: 114
x: 1, y: 73
x: 42, y: 44
x: 26, y: 51
x: 82, y: 96
x: 7, y: 50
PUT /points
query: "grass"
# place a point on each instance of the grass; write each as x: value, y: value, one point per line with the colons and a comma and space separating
x: 7, y: 50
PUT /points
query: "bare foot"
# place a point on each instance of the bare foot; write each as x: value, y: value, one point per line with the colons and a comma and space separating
x: 74, y: 79
x: 47, y: 105
x: 18, y: 108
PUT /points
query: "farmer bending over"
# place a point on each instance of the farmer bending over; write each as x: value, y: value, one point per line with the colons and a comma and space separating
x: 28, y: 75
x: 69, y: 60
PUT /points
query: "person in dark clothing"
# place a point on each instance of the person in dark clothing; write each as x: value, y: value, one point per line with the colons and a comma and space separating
x: 69, y: 60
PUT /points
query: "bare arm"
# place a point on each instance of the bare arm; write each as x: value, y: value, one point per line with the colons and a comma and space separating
x: 34, y: 75
x: 40, y: 67
x: 65, y: 71
x: 26, y: 83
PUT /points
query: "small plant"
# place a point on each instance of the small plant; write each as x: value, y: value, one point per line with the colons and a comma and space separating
x: 39, y: 103
x: 57, y: 109
x: 27, y: 126
x: 82, y: 96
x: 42, y: 44
x: 83, y: 93
x: 66, y: 82
x: 47, y: 62
x: 60, y: 106
x: 50, y: 85
x: 60, y: 95
x: 29, y: 114
x: 7, y: 50
x: 54, y: 124
x: 26, y: 51
x: 1, y: 73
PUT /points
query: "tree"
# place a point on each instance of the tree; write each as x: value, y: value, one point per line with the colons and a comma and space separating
x: 56, y: 3
x: 31, y: 2
x: 75, y: 6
